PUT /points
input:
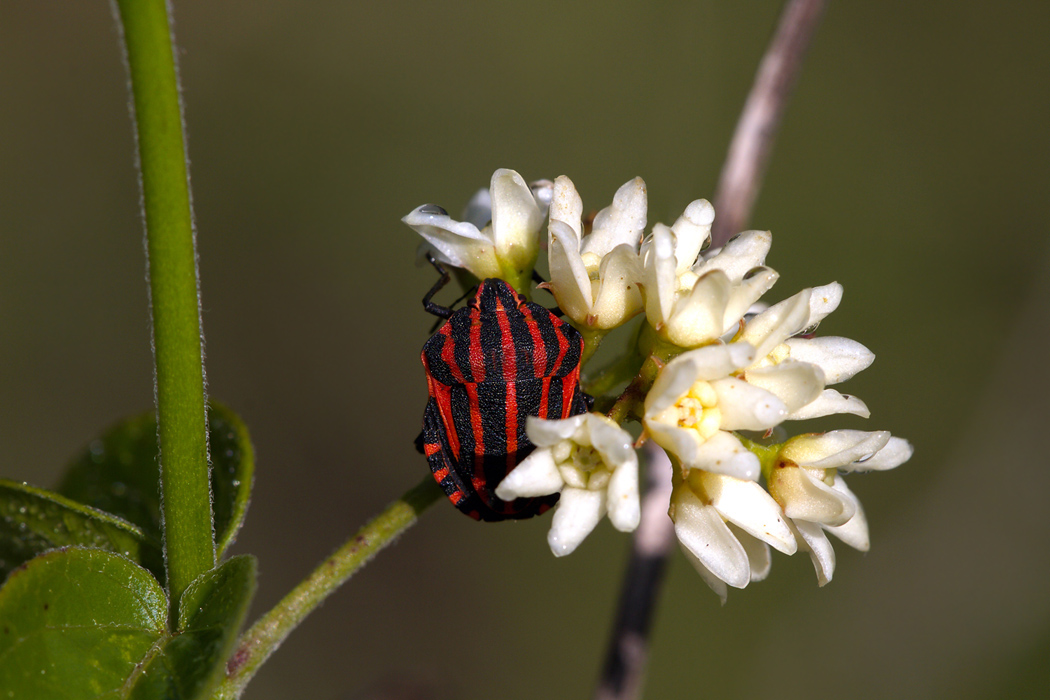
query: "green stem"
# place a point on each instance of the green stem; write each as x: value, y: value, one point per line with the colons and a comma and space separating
x: 256, y: 645
x: 174, y: 300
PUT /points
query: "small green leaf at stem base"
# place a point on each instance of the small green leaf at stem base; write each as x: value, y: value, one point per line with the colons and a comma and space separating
x: 33, y: 521
x: 210, y: 613
x: 76, y: 623
x: 83, y: 623
x: 118, y: 473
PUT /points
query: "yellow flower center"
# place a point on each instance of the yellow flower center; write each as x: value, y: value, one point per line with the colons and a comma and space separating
x: 591, y: 261
x: 698, y: 410
x: 581, y: 466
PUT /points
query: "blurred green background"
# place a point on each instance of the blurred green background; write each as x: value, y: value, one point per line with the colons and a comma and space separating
x: 913, y: 167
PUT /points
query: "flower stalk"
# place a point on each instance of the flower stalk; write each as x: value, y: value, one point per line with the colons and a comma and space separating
x: 174, y: 294
x: 262, y: 639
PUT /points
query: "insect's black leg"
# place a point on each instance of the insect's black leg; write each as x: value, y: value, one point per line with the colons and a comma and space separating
x: 432, y: 308
x: 537, y: 278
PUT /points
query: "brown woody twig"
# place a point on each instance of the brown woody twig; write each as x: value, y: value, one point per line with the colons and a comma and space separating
x: 752, y: 142
x: 738, y: 187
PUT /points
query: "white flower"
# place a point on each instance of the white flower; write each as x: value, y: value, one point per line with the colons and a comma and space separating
x: 726, y: 526
x: 594, y: 277
x: 693, y: 304
x: 695, y: 402
x: 589, y: 459
x: 806, y: 483
x: 837, y: 359
x: 505, y: 248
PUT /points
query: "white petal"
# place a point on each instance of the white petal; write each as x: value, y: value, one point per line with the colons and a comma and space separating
x: 812, y: 539
x: 758, y: 555
x: 459, y: 243
x: 717, y: 585
x: 739, y: 255
x: 896, y: 452
x: 823, y: 301
x: 577, y: 514
x: 659, y: 276
x: 516, y: 218
x: 743, y: 295
x: 840, y: 358
x: 681, y: 442
x: 780, y: 321
x: 834, y: 449
x: 621, y: 222
x: 794, y: 383
x: 673, y: 382
x: 536, y: 475
x: 722, y: 453
x: 569, y: 280
x: 701, y: 530
x: 617, y: 297
x: 855, y: 531
x: 622, y: 500
x: 707, y: 363
x: 749, y: 507
x: 611, y: 441
x: 691, y: 231
x: 567, y: 207
x: 699, y: 316
x: 747, y: 407
x: 547, y: 433
x: 828, y: 403
x: 805, y: 497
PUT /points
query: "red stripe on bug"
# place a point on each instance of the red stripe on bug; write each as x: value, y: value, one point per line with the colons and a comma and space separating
x: 448, y: 352
x: 568, y: 390
x: 539, y: 347
x: 478, y: 477
x: 510, y: 369
x: 477, y: 353
x: 563, y: 350
x: 544, y: 395
x: 443, y: 397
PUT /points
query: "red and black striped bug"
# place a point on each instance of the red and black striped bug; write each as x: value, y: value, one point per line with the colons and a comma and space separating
x: 493, y: 363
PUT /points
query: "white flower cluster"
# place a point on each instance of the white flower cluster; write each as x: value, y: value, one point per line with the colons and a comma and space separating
x: 731, y: 366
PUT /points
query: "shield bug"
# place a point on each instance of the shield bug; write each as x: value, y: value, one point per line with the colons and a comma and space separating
x: 493, y: 363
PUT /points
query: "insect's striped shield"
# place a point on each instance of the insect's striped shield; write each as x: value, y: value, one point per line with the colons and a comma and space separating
x: 494, y: 363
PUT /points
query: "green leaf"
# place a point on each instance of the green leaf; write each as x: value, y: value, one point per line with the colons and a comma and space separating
x: 210, y: 614
x: 33, y: 520
x: 84, y: 623
x: 232, y: 471
x: 77, y: 623
x: 118, y: 473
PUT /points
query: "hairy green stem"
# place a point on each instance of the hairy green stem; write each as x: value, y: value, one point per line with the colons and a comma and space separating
x: 174, y: 299
x: 256, y: 645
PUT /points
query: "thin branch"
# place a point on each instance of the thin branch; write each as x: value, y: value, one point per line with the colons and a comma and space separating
x: 625, y: 660
x: 752, y: 141
x: 258, y: 643
x: 737, y: 188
